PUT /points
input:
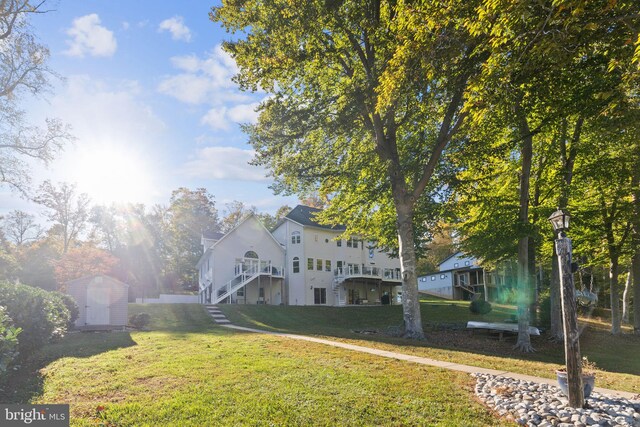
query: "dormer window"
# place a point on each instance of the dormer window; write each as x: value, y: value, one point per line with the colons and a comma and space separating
x: 295, y: 237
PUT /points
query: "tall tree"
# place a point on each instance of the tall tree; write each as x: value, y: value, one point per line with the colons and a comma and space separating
x: 21, y: 227
x: 366, y: 96
x: 234, y: 213
x: 190, y: 213
x: 23, y: 70
x: 107, y: 224
x: 68, y: 210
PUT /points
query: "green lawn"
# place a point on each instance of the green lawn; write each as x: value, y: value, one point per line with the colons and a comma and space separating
x: 185, y: 371
x: 444, y: 323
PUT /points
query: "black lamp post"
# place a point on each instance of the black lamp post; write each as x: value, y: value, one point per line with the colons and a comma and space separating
x: 560, y: 221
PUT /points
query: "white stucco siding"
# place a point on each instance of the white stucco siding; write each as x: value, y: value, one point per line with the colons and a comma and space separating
x: 319, y: 244
x: 248, y: 236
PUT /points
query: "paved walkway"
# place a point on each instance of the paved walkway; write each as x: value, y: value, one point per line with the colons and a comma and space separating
x: 423, y: 360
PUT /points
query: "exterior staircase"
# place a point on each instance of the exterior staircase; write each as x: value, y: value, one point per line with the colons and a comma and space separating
x: 217, y: 315
x: 468, y: 289
x: 238, y: 282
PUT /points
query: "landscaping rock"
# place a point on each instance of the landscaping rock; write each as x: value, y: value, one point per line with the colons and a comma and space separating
x: 545, y: 405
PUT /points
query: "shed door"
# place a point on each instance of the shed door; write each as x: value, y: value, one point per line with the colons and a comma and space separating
x: 97, y: 305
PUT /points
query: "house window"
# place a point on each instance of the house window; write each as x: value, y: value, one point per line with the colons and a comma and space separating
x: 327, y: 265
x: 296, y: 265
x: 240, y: 292
x: 261, y: 293
x: 295, y: 237
x: 349, y: 242
x: 319, y: 264
x: 320, y: 295
x: 339, y: 242
x: 433, y: 278
x: 309, y: 263
x: 251, y: 254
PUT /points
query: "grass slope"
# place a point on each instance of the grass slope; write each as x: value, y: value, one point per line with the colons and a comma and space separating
x: 444, y: 323
x: 186, y: 371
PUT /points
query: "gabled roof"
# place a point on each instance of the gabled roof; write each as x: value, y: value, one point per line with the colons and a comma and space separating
x: 450, y: 256
x: 225, y: 236
x: 212, y: 235
x: 305, y: 216
x: 85, y: 280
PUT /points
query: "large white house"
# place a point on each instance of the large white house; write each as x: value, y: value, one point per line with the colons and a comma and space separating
x: 301, y: 262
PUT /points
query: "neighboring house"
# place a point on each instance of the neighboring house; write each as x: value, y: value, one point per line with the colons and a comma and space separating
x: 459, y: 277
x: 246, y: 265
x: 102, y: 301
x: 319, y: 268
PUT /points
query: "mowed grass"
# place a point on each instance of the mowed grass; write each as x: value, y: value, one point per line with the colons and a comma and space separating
x: 185, y: 371
x: 446, y: 338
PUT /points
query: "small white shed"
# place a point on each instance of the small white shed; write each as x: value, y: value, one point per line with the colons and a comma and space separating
x: 102, y: 301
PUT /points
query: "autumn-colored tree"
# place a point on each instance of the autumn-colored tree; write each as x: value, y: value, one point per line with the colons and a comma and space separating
x: 83, y: 261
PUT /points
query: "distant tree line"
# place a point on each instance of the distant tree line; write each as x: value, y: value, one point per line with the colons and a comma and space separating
x: 152, y: 249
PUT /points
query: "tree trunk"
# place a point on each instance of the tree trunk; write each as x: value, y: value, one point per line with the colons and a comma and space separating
x: 410, y: 297
x: 533, y: 279
x: 555, y: 301
x: 524, y: 280
x: 625, y: 298
x: 635, y: 268
x: 615, y: 297
x: 635, y: 240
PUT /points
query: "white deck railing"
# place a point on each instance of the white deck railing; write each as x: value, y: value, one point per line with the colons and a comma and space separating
x: 352, y: 271
x: 245, y: 271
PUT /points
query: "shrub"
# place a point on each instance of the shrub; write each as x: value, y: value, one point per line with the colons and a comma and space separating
x: 8, y: 342
x: 40, y: 314
x: 139, y: 320
x: 480, y: 306
x: 74, y: 312
x: 544, y: 309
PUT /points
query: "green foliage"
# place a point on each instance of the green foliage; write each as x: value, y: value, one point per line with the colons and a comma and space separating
x: 41, y: 315
x: 71, y: 306
x: 139, y: 320
x: 190, y: 213
x: 544, y: 309
x: 8, y: 342
x: 480, y: 306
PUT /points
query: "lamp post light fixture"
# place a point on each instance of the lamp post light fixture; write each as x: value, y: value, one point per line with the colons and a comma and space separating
x: 560, y: 221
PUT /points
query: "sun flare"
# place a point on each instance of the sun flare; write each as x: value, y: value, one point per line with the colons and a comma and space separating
x: 111, y: 173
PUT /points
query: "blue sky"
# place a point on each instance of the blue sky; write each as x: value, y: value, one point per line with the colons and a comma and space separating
x: 147, y: 91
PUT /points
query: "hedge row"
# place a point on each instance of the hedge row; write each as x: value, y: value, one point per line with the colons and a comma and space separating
x: 35, y: 316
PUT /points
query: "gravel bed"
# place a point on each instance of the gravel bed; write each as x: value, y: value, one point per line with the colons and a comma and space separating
x: 534, y: 404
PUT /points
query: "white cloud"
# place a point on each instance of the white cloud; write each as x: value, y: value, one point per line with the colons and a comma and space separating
x: 203, y: 80
x: 224, y: 163
x: 176, y: 27
x: 221, y: 118
x: 188, y: 88
x: 88, y: 37
x: 216, y: 119
x: 244, y: 113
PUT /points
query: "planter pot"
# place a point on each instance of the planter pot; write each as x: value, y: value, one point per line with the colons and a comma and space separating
x: 588, y: 382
